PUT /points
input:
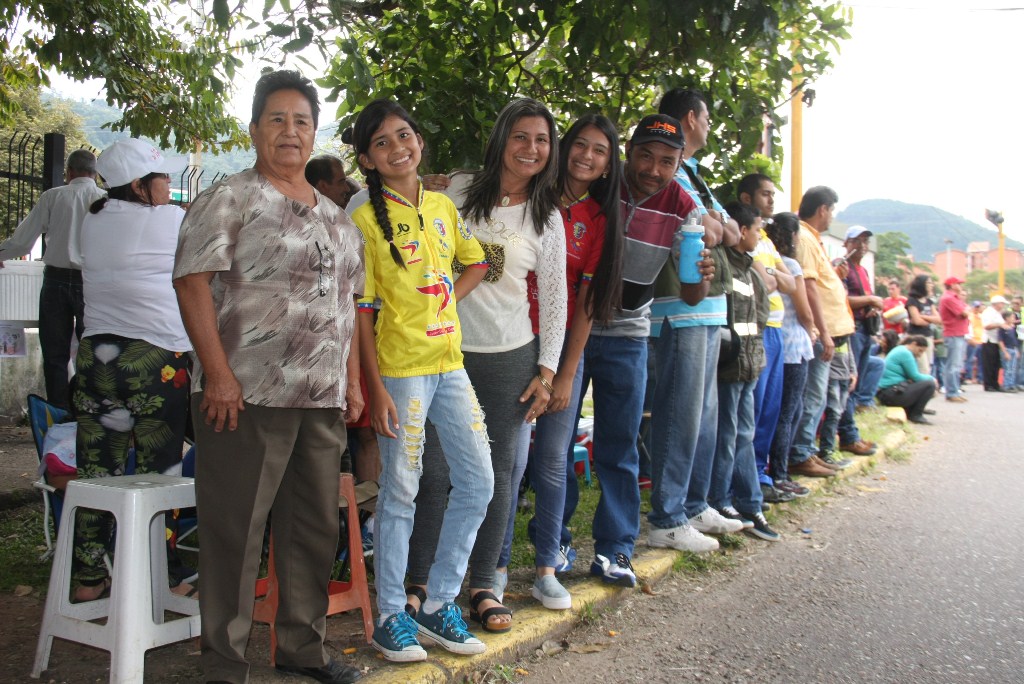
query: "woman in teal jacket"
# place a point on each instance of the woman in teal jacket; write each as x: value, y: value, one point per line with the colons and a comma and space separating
x: 903, y: 384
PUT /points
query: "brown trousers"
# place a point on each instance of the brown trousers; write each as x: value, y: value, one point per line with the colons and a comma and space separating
x: 281, y: 460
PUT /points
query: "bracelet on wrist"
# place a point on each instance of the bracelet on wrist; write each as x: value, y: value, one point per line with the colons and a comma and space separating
x: 545, y: 384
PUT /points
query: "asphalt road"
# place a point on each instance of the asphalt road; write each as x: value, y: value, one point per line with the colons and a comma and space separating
x: 914, y: 573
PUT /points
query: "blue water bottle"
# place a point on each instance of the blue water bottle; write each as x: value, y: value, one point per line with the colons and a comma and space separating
x: 690, y: 247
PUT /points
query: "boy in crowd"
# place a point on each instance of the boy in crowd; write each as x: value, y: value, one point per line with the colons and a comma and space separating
x: 734, y: 480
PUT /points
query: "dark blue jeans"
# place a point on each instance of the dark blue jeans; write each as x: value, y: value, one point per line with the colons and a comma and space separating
x: 617, y: 369
x: 768, y: 400
x: 61, y: 315
x: 794, y: 377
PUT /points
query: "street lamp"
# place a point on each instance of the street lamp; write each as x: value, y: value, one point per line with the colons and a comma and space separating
x: 996, y: 219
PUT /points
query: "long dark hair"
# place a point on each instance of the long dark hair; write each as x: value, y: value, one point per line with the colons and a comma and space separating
x: 485, y: 188
x: 367, y: 123
x: 126, y: 193
x: 919, y: 287
x: 605, y: 293
x: 782, y: 232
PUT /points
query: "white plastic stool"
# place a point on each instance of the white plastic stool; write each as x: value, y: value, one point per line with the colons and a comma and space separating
x: 139, y: 593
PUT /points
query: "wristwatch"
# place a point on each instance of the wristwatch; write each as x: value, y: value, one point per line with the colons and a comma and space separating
x: 770, y: 271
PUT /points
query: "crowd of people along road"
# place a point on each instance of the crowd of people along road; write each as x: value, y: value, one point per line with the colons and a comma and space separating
x: 449, y: 319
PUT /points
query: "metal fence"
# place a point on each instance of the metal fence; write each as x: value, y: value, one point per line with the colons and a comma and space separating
x: 190, y: 183
x: 29, y: 164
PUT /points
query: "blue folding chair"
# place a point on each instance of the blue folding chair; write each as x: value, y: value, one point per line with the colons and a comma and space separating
x: 188, y: 523
x: 41, y: 415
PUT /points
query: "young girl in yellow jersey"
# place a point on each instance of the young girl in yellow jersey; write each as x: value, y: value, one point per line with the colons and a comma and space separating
x: 414, y: 372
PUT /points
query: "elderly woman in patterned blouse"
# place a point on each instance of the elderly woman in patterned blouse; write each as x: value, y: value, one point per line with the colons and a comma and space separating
x: 267, y: 274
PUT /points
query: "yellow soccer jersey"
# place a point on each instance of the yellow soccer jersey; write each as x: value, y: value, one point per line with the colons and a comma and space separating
x: 769, y: 258
x: 418, y: 330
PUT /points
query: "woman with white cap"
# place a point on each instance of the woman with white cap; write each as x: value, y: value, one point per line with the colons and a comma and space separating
x: 132, y: 382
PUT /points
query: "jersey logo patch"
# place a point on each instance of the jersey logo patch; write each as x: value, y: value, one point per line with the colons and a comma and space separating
x: 441, y: 286
x: 439, y: 227
x: 412, y: 246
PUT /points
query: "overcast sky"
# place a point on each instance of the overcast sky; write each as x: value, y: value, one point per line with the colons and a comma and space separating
x: 922, y: 106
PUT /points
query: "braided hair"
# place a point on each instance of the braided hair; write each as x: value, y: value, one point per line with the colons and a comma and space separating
x: 367, y: 123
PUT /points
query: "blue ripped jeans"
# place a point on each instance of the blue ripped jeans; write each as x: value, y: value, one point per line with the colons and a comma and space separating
x: 450, y: 403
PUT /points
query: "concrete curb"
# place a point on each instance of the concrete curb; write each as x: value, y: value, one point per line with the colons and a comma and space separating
x: 534, y: 624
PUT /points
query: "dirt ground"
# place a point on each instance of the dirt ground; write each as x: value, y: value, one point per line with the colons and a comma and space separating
x: 72, y: 663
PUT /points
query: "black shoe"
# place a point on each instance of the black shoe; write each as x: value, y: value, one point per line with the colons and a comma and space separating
x: 775, y: 495
x: 928, y: 412
x: 920, y: 420
x: 331, y: 673
x: 761, y: 529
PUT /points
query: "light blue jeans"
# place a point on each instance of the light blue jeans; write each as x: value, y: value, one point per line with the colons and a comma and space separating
x: 450, y: 403
x: 955, y: 349
x: 815, y: 395
x: 675, y: 421
x: 1010, y: 362
x: 549, y: 468
x: 707, y: 440
x: 735, y: 470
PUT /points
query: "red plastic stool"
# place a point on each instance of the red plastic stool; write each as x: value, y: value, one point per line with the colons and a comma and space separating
x: 342, y: 596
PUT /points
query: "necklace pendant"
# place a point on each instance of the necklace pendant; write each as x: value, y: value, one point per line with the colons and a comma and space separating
x: 504, y: 201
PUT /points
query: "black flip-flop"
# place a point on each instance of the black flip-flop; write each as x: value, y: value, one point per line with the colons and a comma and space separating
x: 418, y: 592
x: 484, y: 617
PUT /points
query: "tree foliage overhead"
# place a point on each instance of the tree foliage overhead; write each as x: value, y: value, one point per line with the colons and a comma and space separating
x: 892, y: 258
x: 169, y: 68
x: 453, y: 63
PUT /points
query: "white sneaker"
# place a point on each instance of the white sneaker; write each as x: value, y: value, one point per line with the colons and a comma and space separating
x: 710, y: 521
x: 682, y: 538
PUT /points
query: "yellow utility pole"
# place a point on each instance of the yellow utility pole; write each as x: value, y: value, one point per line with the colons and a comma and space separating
x: 996, y: 218
x: 796, y: 153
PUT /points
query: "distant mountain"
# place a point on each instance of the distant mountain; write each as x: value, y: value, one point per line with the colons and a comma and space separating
x: 927, y: 226
x: 95, y: 113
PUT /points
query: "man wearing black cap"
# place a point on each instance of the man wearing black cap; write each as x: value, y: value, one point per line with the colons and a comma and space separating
x: 867, y: 317
x: 654, y: 207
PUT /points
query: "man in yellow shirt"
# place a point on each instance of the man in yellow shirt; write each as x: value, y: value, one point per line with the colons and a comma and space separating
x: 972, y: 365
x: 832, y: 318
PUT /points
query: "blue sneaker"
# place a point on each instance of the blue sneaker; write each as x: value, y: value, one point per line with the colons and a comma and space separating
x: 367, y: 542
x: 619, y: 573
x: 447, y: 629
x: 566, y: 557
x: 396, y: 639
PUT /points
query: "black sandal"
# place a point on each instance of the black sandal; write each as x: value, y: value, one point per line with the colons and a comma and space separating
x: 484, y: 617
x: 418, y: 592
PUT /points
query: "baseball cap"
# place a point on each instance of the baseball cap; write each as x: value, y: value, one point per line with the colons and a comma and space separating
x: 953, y: 280
x: 658, y: 128
x: 998, y: 299
x: 854, y: 232
x: 131, y: 158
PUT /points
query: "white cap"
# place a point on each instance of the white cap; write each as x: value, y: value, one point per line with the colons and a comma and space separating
x: 131, y: 158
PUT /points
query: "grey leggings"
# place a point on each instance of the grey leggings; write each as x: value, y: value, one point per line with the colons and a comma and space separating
x: 499, y: 379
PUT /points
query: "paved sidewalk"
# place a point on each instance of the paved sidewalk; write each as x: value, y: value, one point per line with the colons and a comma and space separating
x: 534, y: 624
